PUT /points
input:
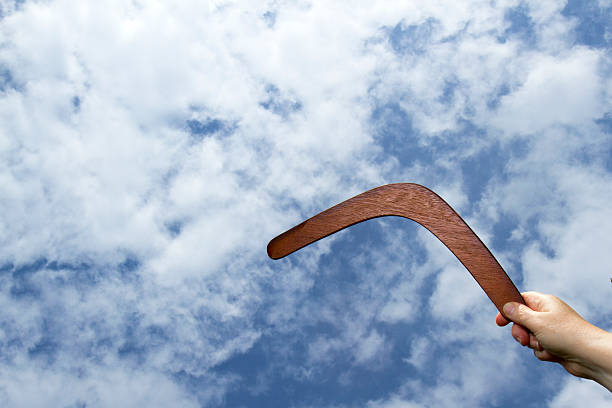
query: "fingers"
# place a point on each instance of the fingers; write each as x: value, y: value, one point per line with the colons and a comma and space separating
x: 534, y: 343
x: 545, y: 355
x: 520, y: 334
x: 524, y: 338
x: 523, y: 315
x: 500, y: 320
x: 534, y: 301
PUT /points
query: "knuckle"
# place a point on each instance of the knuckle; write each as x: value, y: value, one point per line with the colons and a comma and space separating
x: 521, y: 312
x: 540, y: 355
x: 551, y: 298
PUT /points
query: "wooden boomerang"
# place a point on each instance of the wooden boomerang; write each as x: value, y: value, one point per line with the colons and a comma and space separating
x: 419, y: 204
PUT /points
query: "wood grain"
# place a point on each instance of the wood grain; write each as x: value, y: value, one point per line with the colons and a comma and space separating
x: 419, y: 204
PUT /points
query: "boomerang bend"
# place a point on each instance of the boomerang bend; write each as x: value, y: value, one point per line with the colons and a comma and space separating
x: 421, y: 205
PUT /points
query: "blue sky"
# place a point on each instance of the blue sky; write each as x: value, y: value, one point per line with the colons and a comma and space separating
x: 150, y: 150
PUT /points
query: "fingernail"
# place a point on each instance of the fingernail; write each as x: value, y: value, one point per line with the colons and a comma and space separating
x: 509, y: 309
x: 517, y: 338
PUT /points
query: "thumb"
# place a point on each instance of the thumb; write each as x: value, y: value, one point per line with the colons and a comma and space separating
x: 520, y: 314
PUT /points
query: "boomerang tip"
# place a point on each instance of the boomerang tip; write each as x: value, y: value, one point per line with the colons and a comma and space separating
x: 288, y: 242
x: 273, y: 251
x: 276, y: 249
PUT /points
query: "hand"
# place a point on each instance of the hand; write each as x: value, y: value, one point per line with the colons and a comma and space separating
x: 558, y: 334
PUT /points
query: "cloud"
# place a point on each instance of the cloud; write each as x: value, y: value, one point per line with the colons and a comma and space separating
x: 550, y: 95
x: 468, y: 377
x: 148, y: 152
x: 97, y: 386
x: 577, y: 390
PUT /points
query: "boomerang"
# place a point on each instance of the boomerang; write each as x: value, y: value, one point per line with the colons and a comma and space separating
x: 421, y: 205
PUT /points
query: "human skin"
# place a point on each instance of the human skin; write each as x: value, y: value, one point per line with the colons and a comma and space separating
x: 557, y: 333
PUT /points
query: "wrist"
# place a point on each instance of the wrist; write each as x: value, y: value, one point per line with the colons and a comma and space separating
x: 596, y: 356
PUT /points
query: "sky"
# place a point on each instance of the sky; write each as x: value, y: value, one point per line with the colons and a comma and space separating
x: 149, y: 150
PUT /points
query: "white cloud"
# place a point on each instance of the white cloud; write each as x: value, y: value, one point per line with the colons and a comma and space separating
x: 558, y: 91
x: 369, y: 347
x: 394, y: 402
x: 456, y: 293
x: 577, y: 390
x: 97, y: 387
x: 401, y: 306
x: 420, y: 352
x: 97, y: 165
x: 468, y: 377
x: 578, y: 265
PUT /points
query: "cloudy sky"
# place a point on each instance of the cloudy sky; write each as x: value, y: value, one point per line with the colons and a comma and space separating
x: 149, y: 150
